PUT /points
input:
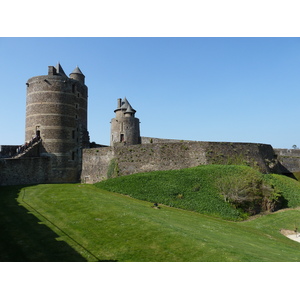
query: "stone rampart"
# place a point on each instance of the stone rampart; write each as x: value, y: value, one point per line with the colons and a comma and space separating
x: 7, y: 151
x: 96, y: 163
x: 289, y: 158
x: 103, y: 163
x: 152, y: 140
x: 33, y: 170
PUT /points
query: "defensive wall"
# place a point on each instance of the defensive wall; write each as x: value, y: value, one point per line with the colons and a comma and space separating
x: 34, y: 167
x: 7, y: 151
x: 290, y: 158
x: 154, y: 154
x: 31, y: 170
x: 102, y: 163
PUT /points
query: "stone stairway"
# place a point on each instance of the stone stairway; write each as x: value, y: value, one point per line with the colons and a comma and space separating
x: 28, y: 150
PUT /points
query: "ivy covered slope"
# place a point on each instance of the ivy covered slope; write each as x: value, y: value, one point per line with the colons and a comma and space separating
x: 227, y: 191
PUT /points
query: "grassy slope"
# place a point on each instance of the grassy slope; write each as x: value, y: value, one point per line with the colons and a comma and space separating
x: 192, y: 189
x: 196, y: 189
x: 289, y: 188
x: 54, y: 220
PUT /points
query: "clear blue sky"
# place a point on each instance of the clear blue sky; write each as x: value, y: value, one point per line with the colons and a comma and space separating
x: 204, y: 89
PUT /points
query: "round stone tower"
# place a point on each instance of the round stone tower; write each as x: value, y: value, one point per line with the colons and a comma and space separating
x: 125, y: 127
x: 56, y: 110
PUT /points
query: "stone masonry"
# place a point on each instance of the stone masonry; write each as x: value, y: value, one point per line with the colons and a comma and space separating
x: 102, y: 163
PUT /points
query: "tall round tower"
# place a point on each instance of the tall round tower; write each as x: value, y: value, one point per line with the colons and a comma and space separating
x: 125, y: 127
x: 56, y: 110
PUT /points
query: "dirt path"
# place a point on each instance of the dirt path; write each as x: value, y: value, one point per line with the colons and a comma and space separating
x: 295, y: 236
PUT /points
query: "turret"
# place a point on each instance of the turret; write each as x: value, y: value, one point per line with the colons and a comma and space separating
x: 77, y: 75
x: 125, y: 127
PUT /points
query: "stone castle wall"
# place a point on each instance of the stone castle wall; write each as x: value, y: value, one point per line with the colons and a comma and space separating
x: 103, y: 163
x: 96, y: 163
x: 152, y: 140
x: 107, y: 162
x: 32, y: 170
x: 289, y: 158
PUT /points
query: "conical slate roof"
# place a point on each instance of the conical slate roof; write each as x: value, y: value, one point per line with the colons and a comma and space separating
x: 124, y: 103
x: 59, y: 70
x: 125, y: 106
x: 129, y: 109
x: 77, y: 71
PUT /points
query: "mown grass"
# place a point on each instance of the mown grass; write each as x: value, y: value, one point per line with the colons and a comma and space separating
x: 196, y: 189
x: 75, y: 222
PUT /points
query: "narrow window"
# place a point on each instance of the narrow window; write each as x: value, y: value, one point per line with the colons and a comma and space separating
x: 73, y: 88
x: 73, y: 134
x: 122, y: 138
x: 73, y: 155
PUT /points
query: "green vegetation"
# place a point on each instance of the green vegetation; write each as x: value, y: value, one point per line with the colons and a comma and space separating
x: 289, y: 188
x: 231, y: 192
x: 195, y: 185
x: 113, y: 169
x: 77, y: 222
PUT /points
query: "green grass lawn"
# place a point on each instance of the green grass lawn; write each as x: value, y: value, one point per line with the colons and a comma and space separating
x: 200, y: 188
x: 76, y: 222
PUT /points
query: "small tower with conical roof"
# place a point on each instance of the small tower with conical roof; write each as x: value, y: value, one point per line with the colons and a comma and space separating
x: 125, y: 127
x: 77, y: 75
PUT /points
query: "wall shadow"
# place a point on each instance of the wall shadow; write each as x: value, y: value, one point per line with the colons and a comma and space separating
x: 284, y: 171
x: 24, y: 239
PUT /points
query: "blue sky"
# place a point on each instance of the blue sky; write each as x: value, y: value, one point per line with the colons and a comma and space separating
x: 204, y: 89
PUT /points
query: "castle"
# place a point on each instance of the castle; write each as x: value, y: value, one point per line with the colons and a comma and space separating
x: 58, y: 148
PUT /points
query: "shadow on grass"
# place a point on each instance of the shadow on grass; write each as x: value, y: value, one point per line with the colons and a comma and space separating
x: 24, y: 239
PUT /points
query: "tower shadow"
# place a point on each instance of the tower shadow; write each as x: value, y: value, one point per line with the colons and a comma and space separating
x: 24, y: 239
